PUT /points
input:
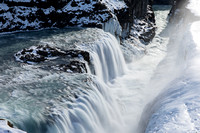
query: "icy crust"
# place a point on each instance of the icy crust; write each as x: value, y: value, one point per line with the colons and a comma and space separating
x: 113, y: 26
x: 73, y: 13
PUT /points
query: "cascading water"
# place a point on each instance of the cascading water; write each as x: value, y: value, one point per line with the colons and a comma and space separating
x: 107, y: 58
x: 109, y: 99
x: 97, y: 111
x: 58, y: 101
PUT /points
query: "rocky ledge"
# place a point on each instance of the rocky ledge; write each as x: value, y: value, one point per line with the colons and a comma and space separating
x: 71, y: 61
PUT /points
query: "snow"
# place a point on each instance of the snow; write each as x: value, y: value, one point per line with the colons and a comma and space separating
x: 15, y: 19
x: 83, y: 13
x: 4, y: 128
x: 81, y: 6
x: 48, y: 10
x: 194, y: 7
x: 7, y: 15
x: 114, y: 4
x: 83, y: 20
x: 3, y: 7
x: 178, y: 108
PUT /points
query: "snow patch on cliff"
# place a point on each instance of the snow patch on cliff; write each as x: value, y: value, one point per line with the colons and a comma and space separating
x: 48, y: 10
x: 80, y: 5
x: 3, y: 7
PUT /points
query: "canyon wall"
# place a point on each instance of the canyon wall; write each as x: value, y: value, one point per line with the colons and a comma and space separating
x: 20, y: 15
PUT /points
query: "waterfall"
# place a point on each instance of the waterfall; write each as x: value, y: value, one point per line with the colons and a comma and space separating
x: 97, y: 110
x: 109, y: 99
x: 107, y: 58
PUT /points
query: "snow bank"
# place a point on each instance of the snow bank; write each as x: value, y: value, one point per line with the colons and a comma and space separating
x: 178, y: 109
x: 194, y: 6
x: 4, y: 128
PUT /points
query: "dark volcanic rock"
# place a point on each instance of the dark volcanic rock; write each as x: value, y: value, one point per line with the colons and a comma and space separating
x: 16, y: 15
x: 164, y: 2
x: 32, y: 15
x: 8, y: 122
x: 79, y: 54
x: 144, y: 28
x: 38, y: 54
x: 74, y: 60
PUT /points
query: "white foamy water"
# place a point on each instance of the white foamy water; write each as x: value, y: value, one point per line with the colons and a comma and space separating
x: 107, y: 57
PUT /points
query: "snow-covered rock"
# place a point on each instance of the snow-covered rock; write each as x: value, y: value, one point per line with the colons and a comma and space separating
x: 7, y: 127
x: 115, y: 16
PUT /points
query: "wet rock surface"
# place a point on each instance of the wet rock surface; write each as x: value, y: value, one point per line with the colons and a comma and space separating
x: 71, y: 61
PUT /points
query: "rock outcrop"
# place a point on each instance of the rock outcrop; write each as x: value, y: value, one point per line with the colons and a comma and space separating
x: 71, y: 61
x: 20, y: 15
